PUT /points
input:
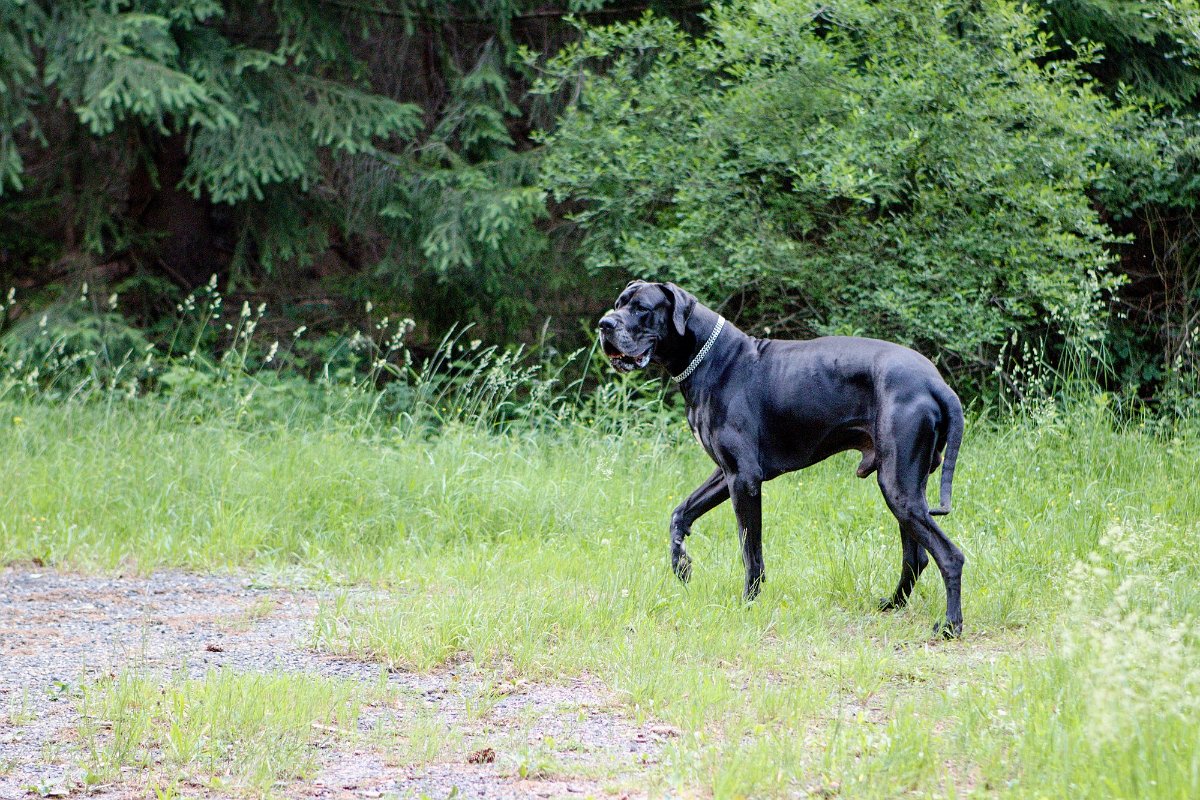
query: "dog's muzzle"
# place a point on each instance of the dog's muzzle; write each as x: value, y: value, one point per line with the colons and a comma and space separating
x: 626, y: 356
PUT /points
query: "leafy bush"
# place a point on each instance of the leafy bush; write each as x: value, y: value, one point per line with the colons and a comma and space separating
x: 913, y: 171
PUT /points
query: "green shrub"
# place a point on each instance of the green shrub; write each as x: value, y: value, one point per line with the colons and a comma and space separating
x: 912, y: 171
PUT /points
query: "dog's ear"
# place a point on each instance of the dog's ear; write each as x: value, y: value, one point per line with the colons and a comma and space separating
x: 625, y: 291
x: 683, y: 304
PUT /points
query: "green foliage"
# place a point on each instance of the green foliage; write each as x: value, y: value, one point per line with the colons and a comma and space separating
x: 942, y: 174
x: 1150, y: 64
x: 914, y: 171
x: 253, y: 119
x: 285, y: 122
x: 469, y: 202
x: 1153, y: 160
x: 301, y: 131
x: 261, y: 97
x: 1150, y: 190
x: 215, y: 362
x: 109, y: 66
x: 1151, y: 47
x: 18, y: 70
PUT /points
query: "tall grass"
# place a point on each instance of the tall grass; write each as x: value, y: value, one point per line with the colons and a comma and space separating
x: 215, y: 364
x: 533, y: 540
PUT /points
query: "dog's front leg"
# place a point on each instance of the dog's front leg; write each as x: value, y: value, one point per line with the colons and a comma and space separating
x: 707, y: 496
x: 746, y: 490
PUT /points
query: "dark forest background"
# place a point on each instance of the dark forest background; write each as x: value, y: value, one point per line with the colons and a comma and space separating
x: 997, y: 184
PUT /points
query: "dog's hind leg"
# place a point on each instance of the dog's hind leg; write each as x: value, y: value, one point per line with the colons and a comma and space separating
x: 902, y: 476
x: 709, y: 495
x: 915, y: 560
x: 950, y: 561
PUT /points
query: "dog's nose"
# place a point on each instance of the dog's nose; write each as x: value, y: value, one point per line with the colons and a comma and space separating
x: 607, y: 323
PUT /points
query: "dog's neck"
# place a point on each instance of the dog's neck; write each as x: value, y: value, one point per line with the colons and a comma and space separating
x: 700, y: 325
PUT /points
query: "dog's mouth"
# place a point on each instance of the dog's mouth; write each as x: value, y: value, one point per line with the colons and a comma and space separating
x: 626, y: 362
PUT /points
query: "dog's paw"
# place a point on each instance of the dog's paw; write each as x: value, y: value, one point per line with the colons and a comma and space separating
x: 888, y: 604
x: 681, y: 565
x: 947, y: 630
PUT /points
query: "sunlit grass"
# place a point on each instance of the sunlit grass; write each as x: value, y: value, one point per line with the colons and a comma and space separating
x: 546, y: 553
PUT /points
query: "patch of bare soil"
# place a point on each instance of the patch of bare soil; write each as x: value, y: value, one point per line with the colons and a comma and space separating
x: 507, y: 739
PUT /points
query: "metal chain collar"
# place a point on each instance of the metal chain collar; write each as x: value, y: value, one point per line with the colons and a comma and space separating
x: 712, y: 338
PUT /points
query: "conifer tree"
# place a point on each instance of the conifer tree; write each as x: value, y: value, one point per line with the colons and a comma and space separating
x: 199, y: 136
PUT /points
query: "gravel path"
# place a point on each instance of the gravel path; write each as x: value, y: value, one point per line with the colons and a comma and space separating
x: 59, y: 631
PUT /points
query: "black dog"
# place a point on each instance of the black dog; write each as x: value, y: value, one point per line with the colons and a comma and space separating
x: 763, y: 407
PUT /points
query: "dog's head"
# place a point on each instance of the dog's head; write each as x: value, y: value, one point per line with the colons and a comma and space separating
x: 646, y: 323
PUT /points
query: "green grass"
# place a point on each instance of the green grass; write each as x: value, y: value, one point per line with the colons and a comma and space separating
x: 226, y: 731
x: 422, y: 739
x: 545, y: 553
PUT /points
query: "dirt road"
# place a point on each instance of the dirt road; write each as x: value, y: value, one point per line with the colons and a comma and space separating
x: 60, y: 632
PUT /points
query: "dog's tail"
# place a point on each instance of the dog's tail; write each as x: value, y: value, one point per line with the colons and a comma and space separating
x: 952, y: 408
